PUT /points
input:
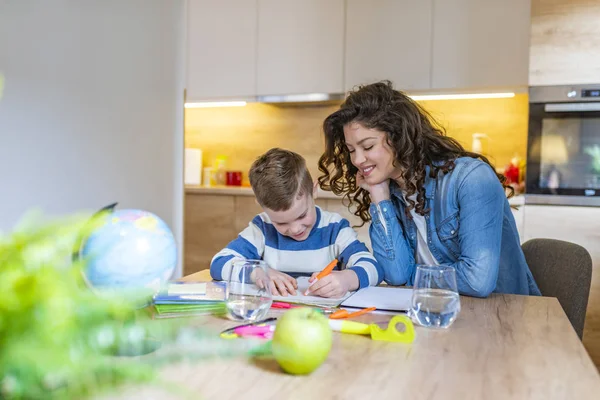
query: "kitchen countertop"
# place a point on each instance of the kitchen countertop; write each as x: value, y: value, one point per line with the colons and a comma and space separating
x: 242, y: 191
x: 518, y: 200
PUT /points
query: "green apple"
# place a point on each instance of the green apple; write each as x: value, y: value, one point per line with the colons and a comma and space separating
x: 302, y: 340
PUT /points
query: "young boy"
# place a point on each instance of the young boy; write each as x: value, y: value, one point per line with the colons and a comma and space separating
x: 294, y: 236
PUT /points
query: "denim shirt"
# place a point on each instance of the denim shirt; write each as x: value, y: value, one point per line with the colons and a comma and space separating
x: 469, y: 226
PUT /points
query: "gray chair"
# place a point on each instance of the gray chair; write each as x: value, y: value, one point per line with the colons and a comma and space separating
x: 562, y: 270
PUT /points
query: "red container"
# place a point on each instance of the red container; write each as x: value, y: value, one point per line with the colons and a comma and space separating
x: 233, y: 178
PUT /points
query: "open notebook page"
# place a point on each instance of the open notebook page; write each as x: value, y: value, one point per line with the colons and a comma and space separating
x: 382, y: 297
x: 312, y: 300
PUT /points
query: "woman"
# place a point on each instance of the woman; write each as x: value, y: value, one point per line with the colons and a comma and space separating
x: 428, y: 199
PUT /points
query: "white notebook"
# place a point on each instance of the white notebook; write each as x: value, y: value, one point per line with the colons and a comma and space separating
x: 311, y: 300
x: 381, y: 297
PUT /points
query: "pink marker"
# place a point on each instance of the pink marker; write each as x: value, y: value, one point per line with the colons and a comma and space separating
x: 281, y: 304
x: 252, y: 330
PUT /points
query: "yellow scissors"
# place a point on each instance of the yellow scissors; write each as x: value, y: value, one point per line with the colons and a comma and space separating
x: 390, y: 334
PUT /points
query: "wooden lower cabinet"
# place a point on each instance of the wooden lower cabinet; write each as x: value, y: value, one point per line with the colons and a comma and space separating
x: 208, y: 227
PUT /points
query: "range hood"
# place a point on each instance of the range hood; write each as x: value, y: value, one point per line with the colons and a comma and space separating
x: 320, y: 99
x: 301, y: 99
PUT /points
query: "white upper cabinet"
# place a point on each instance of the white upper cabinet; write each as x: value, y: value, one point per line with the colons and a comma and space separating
x: 389, y: 39
x: 480, y: 43
x: 221, y: 44
x: 300, y: 46
x: 247, y: 48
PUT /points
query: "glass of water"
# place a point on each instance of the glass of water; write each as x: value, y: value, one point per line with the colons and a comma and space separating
x: 435, y: 300
x: 248, y: 296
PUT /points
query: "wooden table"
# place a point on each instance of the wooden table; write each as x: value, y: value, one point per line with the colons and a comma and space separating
x: 502, y: 347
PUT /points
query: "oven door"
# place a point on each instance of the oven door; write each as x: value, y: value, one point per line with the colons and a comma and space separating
x: 563, y: 153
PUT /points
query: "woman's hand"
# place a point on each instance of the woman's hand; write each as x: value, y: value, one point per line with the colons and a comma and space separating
x: 378, y: 191
x: 334, y: 285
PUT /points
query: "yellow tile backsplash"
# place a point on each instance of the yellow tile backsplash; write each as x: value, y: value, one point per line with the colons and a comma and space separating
x: 243, y: 133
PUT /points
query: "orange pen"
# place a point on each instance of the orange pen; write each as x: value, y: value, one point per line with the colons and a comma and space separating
x: 326, y: 271
x: 341, y: 314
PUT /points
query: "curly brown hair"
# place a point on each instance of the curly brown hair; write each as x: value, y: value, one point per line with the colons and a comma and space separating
x: 411, y: 132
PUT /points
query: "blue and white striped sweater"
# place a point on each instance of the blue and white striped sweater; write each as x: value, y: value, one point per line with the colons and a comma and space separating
x: 331, y: 237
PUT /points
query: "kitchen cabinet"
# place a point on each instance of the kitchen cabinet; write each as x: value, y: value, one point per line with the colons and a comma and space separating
x: 389, y: 39
x: 209, y: 224
x: 579, y: 225
x: 300, y: 46
x: 247, y: 48
x: 480, y: 44
x: 221, y: 49
x: 565, y: 38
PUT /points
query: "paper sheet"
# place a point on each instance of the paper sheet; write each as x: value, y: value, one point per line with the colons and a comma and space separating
x: 186, y: 288
x: 312, y: 300
x: 382, y: 298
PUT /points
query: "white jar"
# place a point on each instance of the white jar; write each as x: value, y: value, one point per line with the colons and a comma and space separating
x: 192, y: 166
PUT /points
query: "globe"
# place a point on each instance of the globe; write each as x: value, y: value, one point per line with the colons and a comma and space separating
x: 129, y: 249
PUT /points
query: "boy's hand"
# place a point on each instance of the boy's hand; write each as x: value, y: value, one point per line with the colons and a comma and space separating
x: 334, y: 285
x: 281, y: 284
x: 378, y: 192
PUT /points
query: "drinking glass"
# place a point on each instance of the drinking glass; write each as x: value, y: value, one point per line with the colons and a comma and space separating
x: 435, y: 300
x: 248, y: 296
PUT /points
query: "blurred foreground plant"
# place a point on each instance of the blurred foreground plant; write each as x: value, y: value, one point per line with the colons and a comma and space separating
x: 58, y: 339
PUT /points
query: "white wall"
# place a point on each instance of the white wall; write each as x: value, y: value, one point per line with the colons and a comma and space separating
x: 92, y: 110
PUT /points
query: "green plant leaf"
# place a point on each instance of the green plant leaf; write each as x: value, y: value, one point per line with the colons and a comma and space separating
x: 61, y: 340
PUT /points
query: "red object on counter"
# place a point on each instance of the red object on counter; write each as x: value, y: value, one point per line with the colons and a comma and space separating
x: 233, y: 178
x: 512, y: 173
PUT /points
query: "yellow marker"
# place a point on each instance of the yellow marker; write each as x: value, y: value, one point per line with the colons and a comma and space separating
x: 390, y: 334
x: 343, y: 326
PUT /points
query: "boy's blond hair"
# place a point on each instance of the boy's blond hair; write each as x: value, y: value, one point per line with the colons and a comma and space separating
x: 278, y: 177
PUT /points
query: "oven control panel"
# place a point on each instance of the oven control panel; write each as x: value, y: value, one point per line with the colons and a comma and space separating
x: 590, y: 93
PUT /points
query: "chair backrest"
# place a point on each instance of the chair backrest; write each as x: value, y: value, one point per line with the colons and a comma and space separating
x: 562, y: 270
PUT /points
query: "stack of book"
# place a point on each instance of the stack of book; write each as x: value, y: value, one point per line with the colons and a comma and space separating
x: 182, y: 299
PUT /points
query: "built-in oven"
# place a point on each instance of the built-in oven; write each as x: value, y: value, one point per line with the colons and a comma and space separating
x: 563, y: 148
